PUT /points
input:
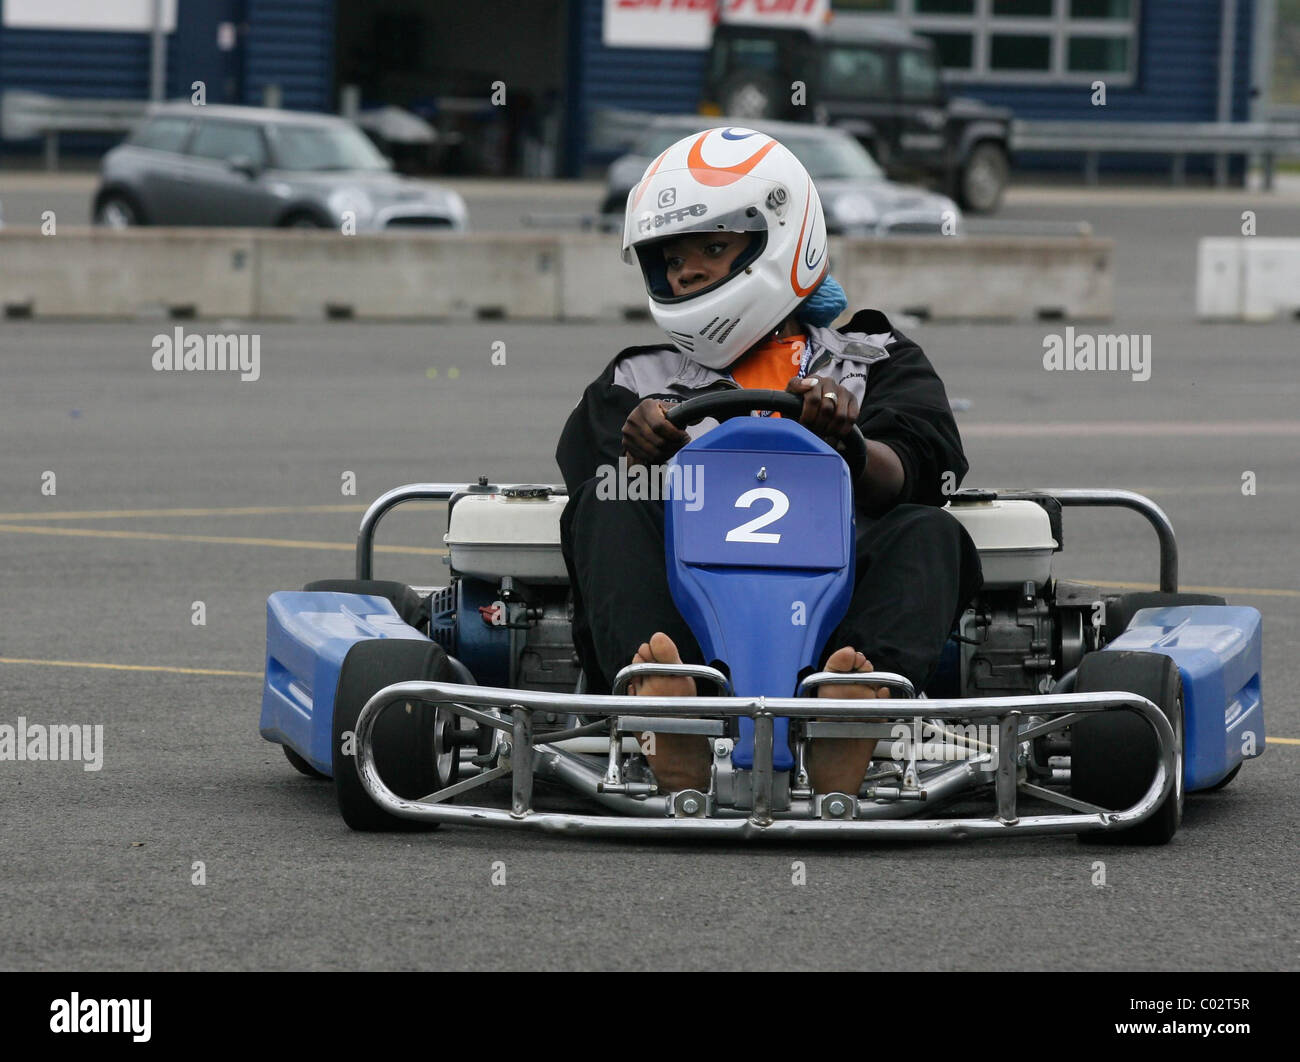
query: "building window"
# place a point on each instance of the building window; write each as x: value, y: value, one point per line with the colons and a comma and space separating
x: 1098, y: 55
x: 1037, y: 42
x: 1023, y: 8
x: 956, y: 50
x: 944, y: 7
x: 1101, y: 8
x: 1019, y: 52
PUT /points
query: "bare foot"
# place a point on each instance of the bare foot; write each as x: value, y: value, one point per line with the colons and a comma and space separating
x: 838, y: 765
x: 679, y: 761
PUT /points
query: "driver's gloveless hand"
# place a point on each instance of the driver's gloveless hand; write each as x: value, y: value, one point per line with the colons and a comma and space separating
x: 648, y: 437
x: 831, y: 420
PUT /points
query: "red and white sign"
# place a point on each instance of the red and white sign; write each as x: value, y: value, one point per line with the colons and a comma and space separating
x: 123, y: 15
x: 689, y: 23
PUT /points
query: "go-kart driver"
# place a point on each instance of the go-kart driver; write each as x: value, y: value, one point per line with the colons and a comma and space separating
x: 729, y: 233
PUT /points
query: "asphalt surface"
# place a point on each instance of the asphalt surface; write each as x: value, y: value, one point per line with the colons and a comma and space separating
x: 175, y: 488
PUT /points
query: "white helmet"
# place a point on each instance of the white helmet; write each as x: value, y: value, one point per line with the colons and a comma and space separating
x: 732, y: 180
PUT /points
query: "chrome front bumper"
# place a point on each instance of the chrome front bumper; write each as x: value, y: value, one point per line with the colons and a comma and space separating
x: 640, y: 811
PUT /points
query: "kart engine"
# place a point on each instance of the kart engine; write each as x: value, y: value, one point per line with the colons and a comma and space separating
x: 507, y: 615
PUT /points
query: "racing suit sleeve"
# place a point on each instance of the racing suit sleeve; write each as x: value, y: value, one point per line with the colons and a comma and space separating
x: 906, y: 407
x: 593, y: 434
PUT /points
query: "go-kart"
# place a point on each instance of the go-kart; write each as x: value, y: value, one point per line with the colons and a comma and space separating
x: 1056, y: 707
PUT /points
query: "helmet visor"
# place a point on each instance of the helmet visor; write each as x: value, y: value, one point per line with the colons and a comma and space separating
x: 654, y: 265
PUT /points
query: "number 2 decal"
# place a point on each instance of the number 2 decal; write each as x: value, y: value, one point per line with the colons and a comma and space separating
x: 748, y: 531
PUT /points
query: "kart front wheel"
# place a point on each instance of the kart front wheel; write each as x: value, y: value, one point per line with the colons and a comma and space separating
x: 406, y: 736
x: 302, y: 766
x: 1113, y: 754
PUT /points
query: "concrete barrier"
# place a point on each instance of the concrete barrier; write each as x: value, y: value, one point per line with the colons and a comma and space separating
x: 146, y: 272
x: 445, y: 276
x: 980, y: 277
x: 537, y: 276
x: 1247, y: 278
x: 938, y: 278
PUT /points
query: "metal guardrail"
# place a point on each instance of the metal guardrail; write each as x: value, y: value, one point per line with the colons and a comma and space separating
x: 24, y: 115
x: 1177, y: 139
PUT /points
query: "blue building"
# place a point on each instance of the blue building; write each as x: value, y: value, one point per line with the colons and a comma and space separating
x: 1160, y: 59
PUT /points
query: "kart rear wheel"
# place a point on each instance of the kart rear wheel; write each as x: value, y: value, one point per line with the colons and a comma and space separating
x: 1121, y: 607
x: 1113, y: 754
x: 409, y: 756
x: 410, y: 606
x: 302, y: 766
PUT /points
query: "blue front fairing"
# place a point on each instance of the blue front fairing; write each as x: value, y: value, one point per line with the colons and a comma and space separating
x: 307, y: 636
x: 760, y: 556
x: 1218, y: 650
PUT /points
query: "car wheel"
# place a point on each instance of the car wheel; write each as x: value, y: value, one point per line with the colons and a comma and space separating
x: 1113, y: 754
x: 303, y: 219
x: 984, y: 178
x: 413, y: 609
x: 118, y: 211
x: 409, y: 755
x: 750, y: 96
x: 1121, y: 608
x: 302, y: 766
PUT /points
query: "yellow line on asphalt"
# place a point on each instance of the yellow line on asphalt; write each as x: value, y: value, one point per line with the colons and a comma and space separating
x: 1282, y: 741
x: 130, y: 667
x: 220, y: 540
x: 1223, y: 591
x: 247, y: 510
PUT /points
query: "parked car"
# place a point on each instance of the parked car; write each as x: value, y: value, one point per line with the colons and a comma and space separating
x: 857, y: 197
x: 254, y: 166
x: 878, y: 82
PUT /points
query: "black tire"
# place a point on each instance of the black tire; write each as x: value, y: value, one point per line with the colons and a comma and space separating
x: 1113, y: 754
x: 302, y: 766
x: 410, y: 606
x: 984, y: 177
x: 404, y: 741
x: 1222, y: 782
x: 118, y: 210
x: 1121, y: 608
x: 304, y: 219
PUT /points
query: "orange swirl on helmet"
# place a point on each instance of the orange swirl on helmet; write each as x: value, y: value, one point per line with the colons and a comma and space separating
x: 640, y: 188
x: 720, y: 176
x: 798, y: 250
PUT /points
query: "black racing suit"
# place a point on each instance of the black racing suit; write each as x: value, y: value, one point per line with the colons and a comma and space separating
x: 917, y: 568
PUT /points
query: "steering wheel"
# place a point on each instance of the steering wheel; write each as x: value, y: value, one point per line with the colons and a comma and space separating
x: 730, y: 403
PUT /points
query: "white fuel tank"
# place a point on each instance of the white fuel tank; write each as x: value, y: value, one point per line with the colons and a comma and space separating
x: 515, y: 533
x: 1014, y: 539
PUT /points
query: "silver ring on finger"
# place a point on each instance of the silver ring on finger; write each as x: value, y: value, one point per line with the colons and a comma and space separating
x: 831, y: 395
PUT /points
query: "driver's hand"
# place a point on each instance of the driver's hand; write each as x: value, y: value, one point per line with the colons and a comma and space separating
x: 648, y: 437
x: 829, y: 412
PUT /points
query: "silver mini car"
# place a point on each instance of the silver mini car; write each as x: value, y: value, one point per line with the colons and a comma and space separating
x: 252, y: 166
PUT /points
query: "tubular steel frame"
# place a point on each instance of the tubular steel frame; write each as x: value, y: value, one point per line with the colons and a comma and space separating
x: 521, y: 755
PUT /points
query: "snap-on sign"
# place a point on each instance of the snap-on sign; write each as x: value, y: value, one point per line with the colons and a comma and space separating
x: 689, y: 23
